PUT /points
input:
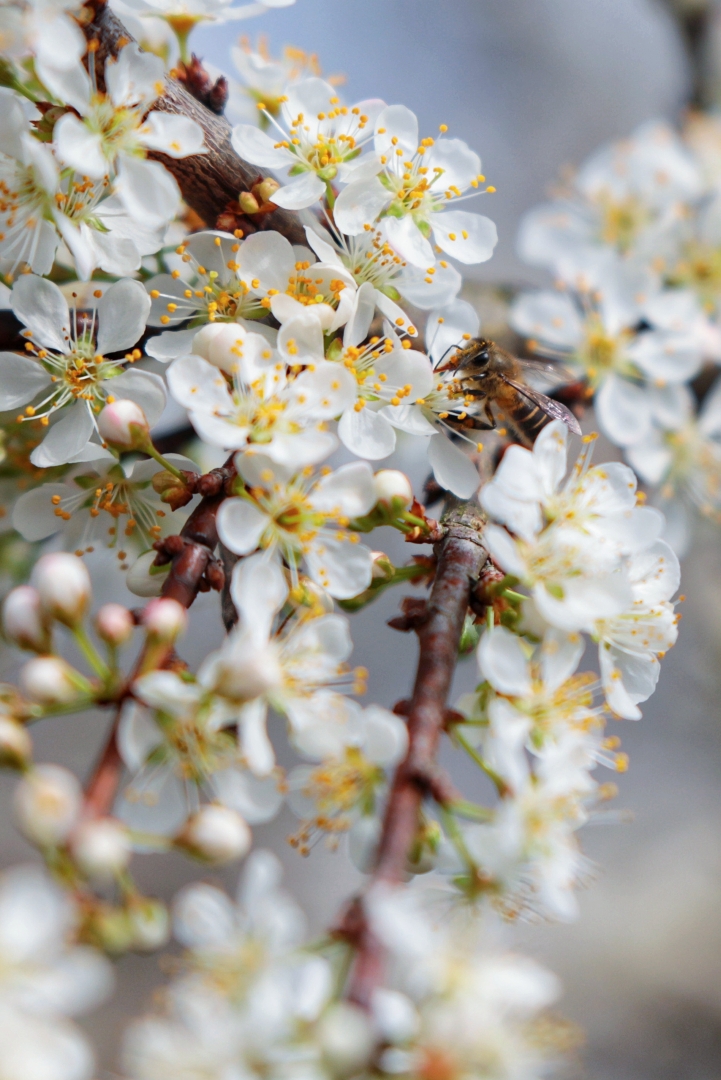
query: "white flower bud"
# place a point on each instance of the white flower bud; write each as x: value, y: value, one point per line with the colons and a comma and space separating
x: 124, y: 424
x: 382, y: 569
x: 150, y: 922
x: 101, y: 848
x: 143, y: 578
x: 23, y: 620
x: 16, y: 746
x: 346, y: 1038
x: 114, y: 624
x: 48, y: 680
x: 47, y: 804
x: 393, y: 489
x: 216, y: 834
x: 63, y: 583
x: 164, y: 620
x: 216, y: 342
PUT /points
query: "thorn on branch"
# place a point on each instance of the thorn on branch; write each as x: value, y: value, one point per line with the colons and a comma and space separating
x: 415, y: 614
x: 197, y: 81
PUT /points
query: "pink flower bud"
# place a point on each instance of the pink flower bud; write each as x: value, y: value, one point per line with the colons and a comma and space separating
x: 393, y: 489
x: 101, y: 848
x: 216, y: 834
x: 47, y: 804
x: 123, y: 423
x: 218, y: 343
x: 23, y: 620
x: 114, y: 624
x: 63, y: 584
x: 164, y: 620
x: 48, y: 680
x: 16, y: 746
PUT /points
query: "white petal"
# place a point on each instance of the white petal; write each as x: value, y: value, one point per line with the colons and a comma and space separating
x: 176, y: 136
x: 301, y: 339
x: 241, y: 525
x: 134, y: 76
x: 269, y: 257
x: 504, y: 663
x: 453, y: 469
x: 623, y: 411
x: 43, y: 308
x: 300, y: 192
x: 460, y: 164
x: 195, y: 383
x: 560, y: 656
x: 144, y: 388
x: 79, y: 147
x: 254, y: 742
x: 408, y: 240
x: 385, y: 738
x: 34, y: 513
x: 359, y: 204
x: 367, y: 433
x: 470, y: 238
x: 122, y: 314
x: 147, y: 190
x: 258, y: 590
x: 257, y: 799
x: 359, y: 323
x: 342, y: 568
x: 550, y: 316
x: 66, y: 438
x: 350, y: 491
x: 259, y: 149
x: 20, y: 379
x: 170, y: 345
x: 396, y: 122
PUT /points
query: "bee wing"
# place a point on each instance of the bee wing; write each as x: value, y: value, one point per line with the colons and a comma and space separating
x: 551, y: 408
x: 548, y: 373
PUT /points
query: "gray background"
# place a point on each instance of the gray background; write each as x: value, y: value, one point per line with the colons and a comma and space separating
x: 530, y: 84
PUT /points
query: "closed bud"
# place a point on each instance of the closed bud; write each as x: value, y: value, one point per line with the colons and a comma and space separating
x: 216, y: 834
x: 346, y: 1038
x: 110, y: 929
x: 382, y: 569
x: 124, y: 424
x: 63, y: 584
x: 101, y: 848
x: 393, y: 489
x: 47, y: 805
x: 164, y: 620
x: 24, y: 623
x: 114, y: 624
x: 48, y: 680
x: 150, y: 924
x: 266, y: 189
x: 144, y: 578
x: 248, y: 203
x: 16, y: 746
x: 219, y: 344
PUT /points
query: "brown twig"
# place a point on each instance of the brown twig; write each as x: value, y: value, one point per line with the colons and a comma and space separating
x: 209, y: 181
x: 194, y: 569
x: 461, y: 557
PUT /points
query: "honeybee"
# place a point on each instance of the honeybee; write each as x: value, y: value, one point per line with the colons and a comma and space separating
x: 494, y: 377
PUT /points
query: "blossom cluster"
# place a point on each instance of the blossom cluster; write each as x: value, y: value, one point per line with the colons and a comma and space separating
x: 632, y: 242
x: 296, y: 369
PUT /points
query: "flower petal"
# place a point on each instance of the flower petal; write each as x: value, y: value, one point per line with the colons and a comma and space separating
x: 453, y: 469
x: 241, y: 525
x: 66, y: 438
x: 301, y: 192
x: 20, y: 380
x: 43, y: 308
x: 258, y: 148
x: 122, y: 314
x: 470, y: 238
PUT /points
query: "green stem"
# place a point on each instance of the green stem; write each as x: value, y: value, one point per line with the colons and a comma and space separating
x: 501, y: 785
x: 456, y: 836
x: 90, y: 653
x: 330, y: 197
x: 510, y: 594
x: 173, y: 469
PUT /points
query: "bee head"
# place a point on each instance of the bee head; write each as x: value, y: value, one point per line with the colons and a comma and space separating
x: 475, y: 355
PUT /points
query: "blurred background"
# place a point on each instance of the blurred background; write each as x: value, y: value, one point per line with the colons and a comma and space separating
x: 532, y: 85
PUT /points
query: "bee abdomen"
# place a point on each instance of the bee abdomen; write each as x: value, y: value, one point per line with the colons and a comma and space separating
x: 527, y: 418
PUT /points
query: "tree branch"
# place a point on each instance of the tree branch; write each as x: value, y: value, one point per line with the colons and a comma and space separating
x: 461, y: 557
x: 208, y: 182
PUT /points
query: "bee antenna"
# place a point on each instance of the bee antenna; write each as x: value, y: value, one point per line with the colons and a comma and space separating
x: 445, y: 354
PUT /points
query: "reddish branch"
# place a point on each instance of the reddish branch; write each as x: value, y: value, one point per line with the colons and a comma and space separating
x: 194, y: 569
x: 461, y: 558
x: 210, y: 182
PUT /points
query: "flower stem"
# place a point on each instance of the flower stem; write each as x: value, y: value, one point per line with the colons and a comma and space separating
x: 173, y: 469
x: 501, y: 785
x: 90, y: 653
